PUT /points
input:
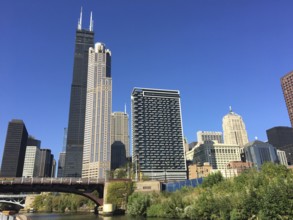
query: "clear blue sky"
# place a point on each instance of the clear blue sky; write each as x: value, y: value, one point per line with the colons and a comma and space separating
x: 216, y: 52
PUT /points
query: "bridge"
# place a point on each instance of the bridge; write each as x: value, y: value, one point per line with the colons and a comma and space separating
x: 81, y: 186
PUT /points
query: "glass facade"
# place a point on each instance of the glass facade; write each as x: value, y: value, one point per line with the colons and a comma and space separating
x: 75, y: 131
x: 157, y: 134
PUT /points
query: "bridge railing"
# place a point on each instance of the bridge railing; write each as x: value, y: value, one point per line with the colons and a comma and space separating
x: 46, y: 181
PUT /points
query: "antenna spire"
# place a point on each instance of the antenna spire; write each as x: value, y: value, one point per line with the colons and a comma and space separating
x: 125, y: 108
x: 80, y: 20
x: 91, y: 22
x: 230, y: 107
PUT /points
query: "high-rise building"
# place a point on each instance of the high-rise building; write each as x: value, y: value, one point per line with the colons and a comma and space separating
x: 234, y: 129
x: 61, y: 164
x: 203, y: 136
x: 217, y: 154
x: 32, y: 158
x: 74, y: 148
x: 14, y: 149
x: 157, y: 134
x: 259, y: 152
x: 97, y: 137
x: 120, y: 129
x: 281, y: 137
x: 46, y: 160
x: 287, y: 87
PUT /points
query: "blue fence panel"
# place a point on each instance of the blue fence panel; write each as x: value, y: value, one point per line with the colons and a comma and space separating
x: 172, y: 187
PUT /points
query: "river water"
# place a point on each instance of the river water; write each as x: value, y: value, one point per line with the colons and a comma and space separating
x: 87, y: 216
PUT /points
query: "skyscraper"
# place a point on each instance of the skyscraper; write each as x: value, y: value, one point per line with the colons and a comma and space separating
x: 287, y: 87
x: 281, y: 137
x: 32, y: 158
x: 157, y: 134
x: 46, y: 162
x: 234, y: 129
x: 74, y: 147
x: 97, y: 136
x: 14, y: 149
x: 120, y: 129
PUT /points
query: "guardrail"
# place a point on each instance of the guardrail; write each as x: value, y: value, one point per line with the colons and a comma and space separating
x: 47, y: 181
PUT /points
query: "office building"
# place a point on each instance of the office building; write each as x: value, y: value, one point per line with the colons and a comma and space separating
x: 282, y: 157
x: 61, y: 164
x: 32, y: 158
x: 120, y: 129
x: 97, y: 137
x: 217, y: 154
x: 14, y: 149
x: 234, y: 129
x: 203, y: 136
x: 46, y: 162
x: 74, y: 147
x: 118, y: 155
x: 157, y: 134
x: 281, y: 137
x: 287, y: 87
x: 199, y: 170
x: 259, y: 152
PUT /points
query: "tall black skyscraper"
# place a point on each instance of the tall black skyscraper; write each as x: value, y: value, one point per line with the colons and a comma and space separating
x: 14, y: 149
x: 74, y: 146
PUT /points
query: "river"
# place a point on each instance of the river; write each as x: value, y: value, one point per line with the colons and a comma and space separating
x: 87, y: 216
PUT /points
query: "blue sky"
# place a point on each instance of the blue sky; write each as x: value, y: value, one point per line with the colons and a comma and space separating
x: 216, y: 52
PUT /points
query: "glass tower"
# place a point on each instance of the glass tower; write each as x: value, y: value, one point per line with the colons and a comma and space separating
x: 75, y: 134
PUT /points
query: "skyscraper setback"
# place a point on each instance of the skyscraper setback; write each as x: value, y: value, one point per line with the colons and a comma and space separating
x: 287, y: 87
x: 75, y: 136
x: 97, y: 136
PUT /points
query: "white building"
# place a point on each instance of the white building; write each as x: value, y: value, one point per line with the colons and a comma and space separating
x: 203, y: 136
x: 234, y: 129
x: 97, y: 137
x: 282, y: 157
x: 217, y: 154
x: 31, y: 161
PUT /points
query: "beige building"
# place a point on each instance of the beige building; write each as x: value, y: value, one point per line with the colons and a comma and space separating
x: 217, y: 154
x: 97, y: 134
x: 199, y: 170
x: 203, y: 136
x: 234, y: 129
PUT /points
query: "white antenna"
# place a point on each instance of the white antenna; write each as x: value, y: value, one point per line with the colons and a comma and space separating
x: 256, y: 138
x: 230, y: 107
x: 80, y: 20
x: 91, y: 22
x: 125, y: 108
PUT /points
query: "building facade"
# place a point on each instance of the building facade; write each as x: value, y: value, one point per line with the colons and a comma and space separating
x: 120, y: 129
x: 157, y: 134
x: 203, y: 136
x: 97, y: 138
x: 217, y: 154
x: 46, y: 163
x: 287, y: 87
x: 259, y: 152
x: 199, y: 170
x: 281, y: 137
x: 282, y: 157
x: 14, y: 149
x: 32, y: 158
x: 234, y: 129
x: 74, y: 147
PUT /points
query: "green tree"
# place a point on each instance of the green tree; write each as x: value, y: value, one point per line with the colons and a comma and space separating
x: 212, y: 179
x: 138, y: 204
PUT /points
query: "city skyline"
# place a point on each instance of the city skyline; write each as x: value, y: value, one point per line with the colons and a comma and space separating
x: 217, y: 55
